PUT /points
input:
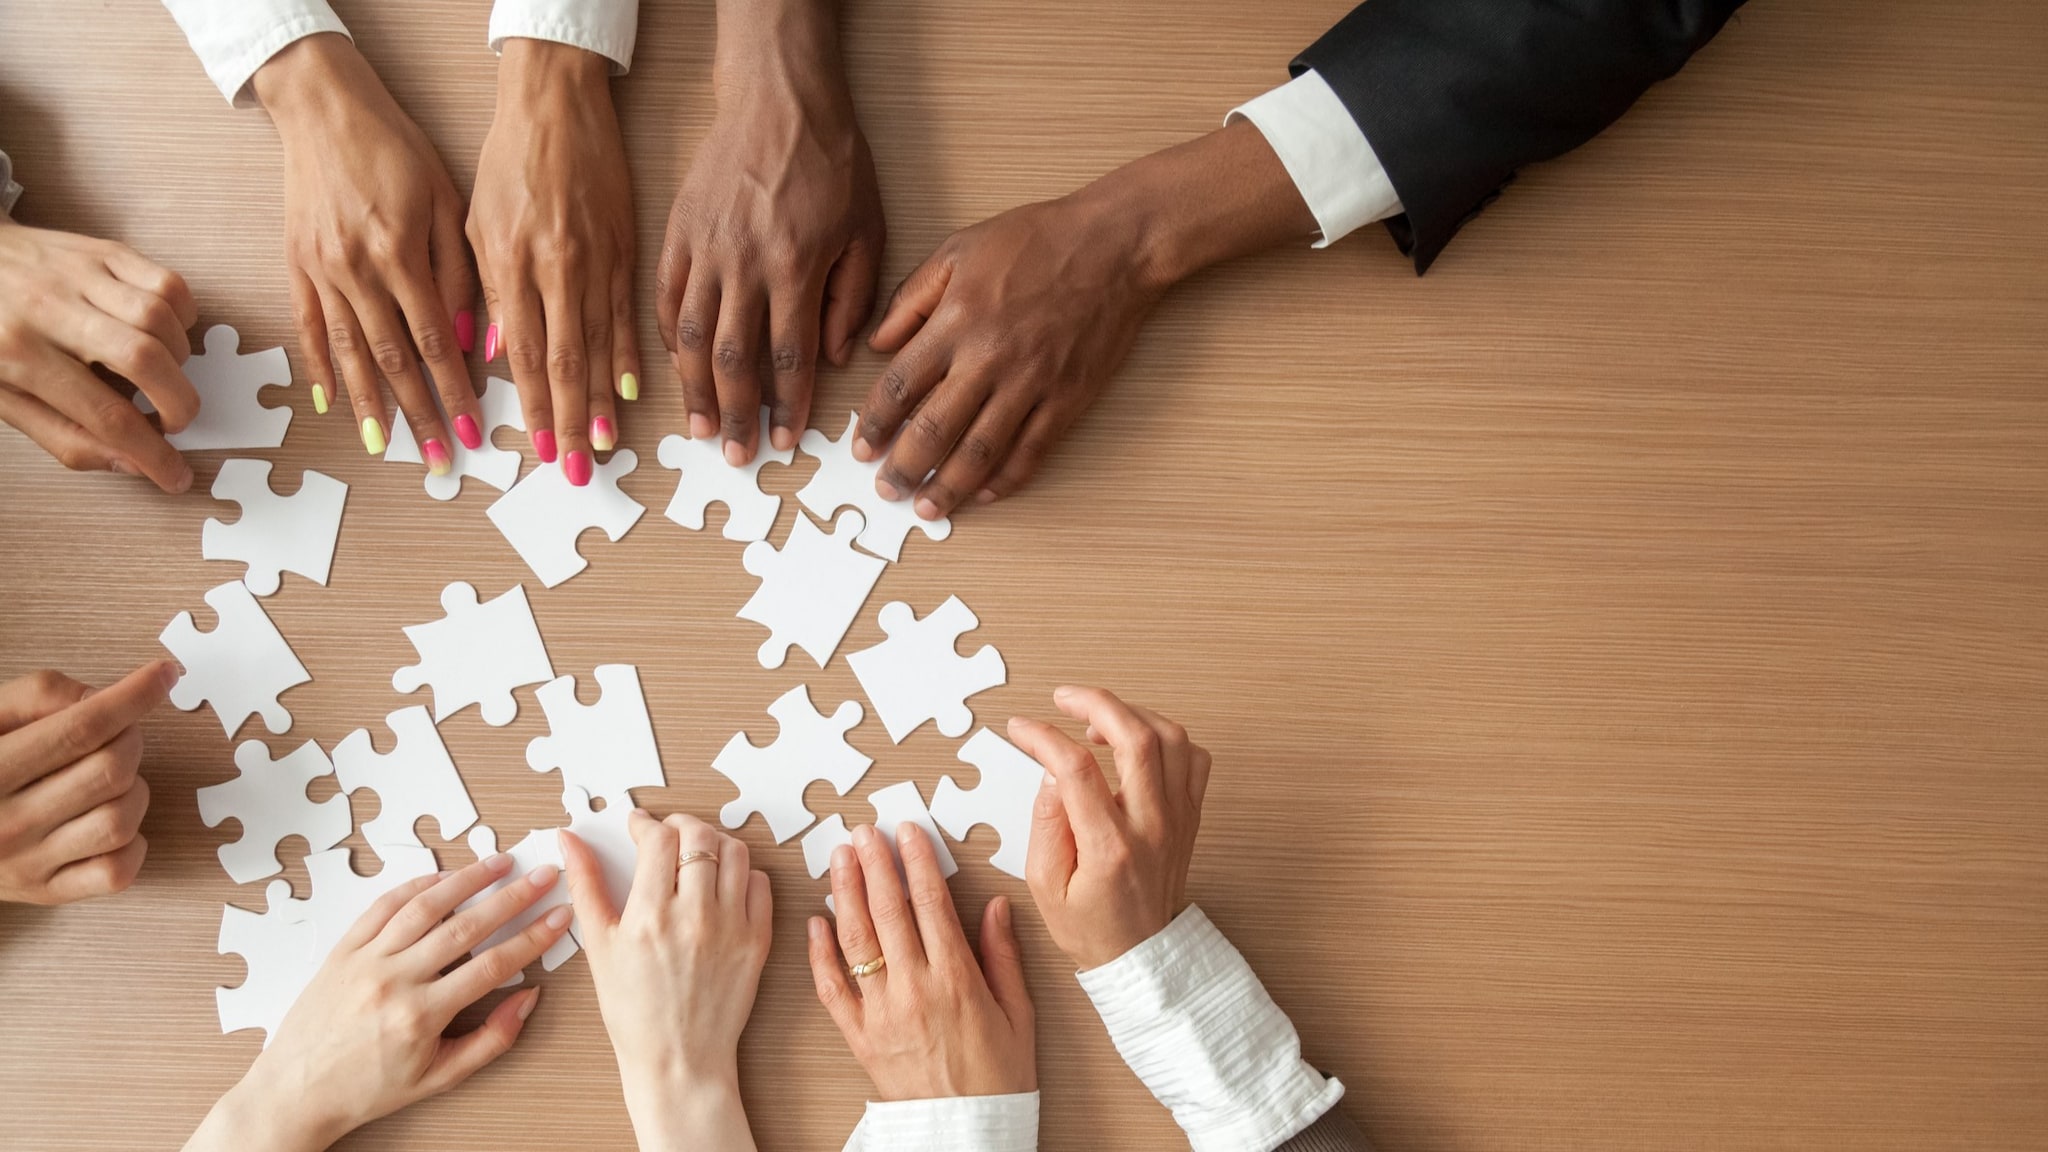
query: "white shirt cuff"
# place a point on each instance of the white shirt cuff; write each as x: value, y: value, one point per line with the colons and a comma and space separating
x: 1325, y: 153
x: 233, y: 38
x: 1190, y: 1018
x: 950, y: 1124
x: 606, y: 27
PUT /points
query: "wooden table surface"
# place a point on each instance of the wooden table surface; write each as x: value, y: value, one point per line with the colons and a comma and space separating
x: 1625, y: 651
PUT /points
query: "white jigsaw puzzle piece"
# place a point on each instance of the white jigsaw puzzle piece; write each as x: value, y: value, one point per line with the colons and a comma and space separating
x: 269, y: 799
x: 277, y: 947
x: 477, y: 654
x: 538, y: 848
x: 340, y: 896
x: 842, y: 480
x: 893, y: 806
x: 606, y: 748
x: 606, y: 834
x: 707, y: 478
x: 917, y: 675
x: 228, y: 384
x: 543, y: 515
x: 772, y: 780
x: 1010, y: 782
x: 241, y: 667
x: 498, y: 467
x: 275, y: 534
x: 416, y: 778
x: 811, y: 590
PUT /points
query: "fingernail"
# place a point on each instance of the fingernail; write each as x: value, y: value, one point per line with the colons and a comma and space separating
x: 491, y: 342
x: 735, y: 453
x: 444, y: 873
x: 498, y: 862
x: 927, y: 508
x: 887, y: 489
x: 465, y: 330
x: 629, y: 386
x: 601, y: 436
x: 558, y: 917
x: 437, y: 456
x: 373, y: 436
x: 701, y: 427
x: 985, y: 496
x: 527, y: 1005
x: 842, y: 858
x: 783, y: 438
x: 864, y: 834
x: 544, y: 443
x: 466, y: 431
x: 862, y: 450
x: 123, y: 467
x: 167, y: 673
x: 577, y: 468
x: 319, y: 399
x: 1062, y: 692
x: 542, y: 877
x: 183, y: 482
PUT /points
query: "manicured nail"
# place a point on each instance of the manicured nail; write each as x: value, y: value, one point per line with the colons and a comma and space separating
x: 544, y: 443
x: 437, y: 456
x: 465, y: 431
x: 543, y: 877
x: 601, y: 436
x: 577, y: 468
x: 319, y: 398
x: 558, y: 917
x: 465, y: 330
x: 498, y: 862
x: 373, y: 436
x: 927, y: 508
x: 629, y: 386
x: 887, y: 489
x: 985, y: 496
x: 862, y: 450
x: 491, y: 342
x: 701, y: 427
x: 527, y: 1005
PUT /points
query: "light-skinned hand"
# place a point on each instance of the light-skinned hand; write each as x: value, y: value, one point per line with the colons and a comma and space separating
x: 1109, y: 869
x: 366, y: 1038
x: 68, y: 303
x: 71, y: 798
x: 676, y: 971
x: 933, y: 1022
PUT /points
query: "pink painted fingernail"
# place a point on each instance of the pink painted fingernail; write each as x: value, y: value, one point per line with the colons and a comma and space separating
x: 465, y: 431
x: 491, y: 342
x: 577, y: 468
x: 601, y: 436
x: 437, y: 457
x: 544, y: 443
x: 465, y: 330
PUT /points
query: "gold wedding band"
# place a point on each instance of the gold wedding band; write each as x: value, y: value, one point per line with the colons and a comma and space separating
x: 869, y: 968
x: 693, y: 857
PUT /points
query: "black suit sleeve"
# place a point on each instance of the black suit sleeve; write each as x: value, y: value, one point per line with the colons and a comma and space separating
x: 1455, y: 95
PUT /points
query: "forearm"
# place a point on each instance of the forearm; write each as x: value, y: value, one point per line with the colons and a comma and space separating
x: 792, y: 44
x: 304, y: 79
x: 675, y: 1112
x: 244, y: 1119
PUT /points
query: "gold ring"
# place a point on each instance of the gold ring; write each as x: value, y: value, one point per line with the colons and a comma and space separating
x: 693, y: 857
x: 869, y: 968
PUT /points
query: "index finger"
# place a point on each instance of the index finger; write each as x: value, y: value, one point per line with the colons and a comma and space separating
x: 1139, y: 749
x: 34, y: 750
x: 1084, y: 796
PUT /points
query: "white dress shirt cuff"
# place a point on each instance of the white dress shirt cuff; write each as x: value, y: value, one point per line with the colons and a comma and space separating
x: 233, y: 38
x: 606, y: 27
x: 951, y: 1124
x: 9, y: 190
x: 1195, y: 1024
x: 1325, y: 153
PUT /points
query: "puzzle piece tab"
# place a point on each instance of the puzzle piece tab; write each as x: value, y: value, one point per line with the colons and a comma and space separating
x: 269, y: 800
x: 842, y: 480
x: 772, y: 780
x: 604, y: 749
x: 277, y: 947
x: 543, y: 515
x: 416, y: 778
x: 228, y: 384
x: 477, y: 654
x: 1003, y: 800
x: 811, y: 589
x: 241, y: 667
x: 275, y: 534
x: 917, y: 675
x: 499, y: 407
x: 707, y: 478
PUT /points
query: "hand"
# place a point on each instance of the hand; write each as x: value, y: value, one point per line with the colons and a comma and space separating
x: 931, y: 1022
x: 365, y: 1037
x: 69, y: 302
x: 71, y: 802
x: 552, y: 224
x: 373, y: 238
x: 676, y: 974
x: 1110, y: 869
x: 778, y: 228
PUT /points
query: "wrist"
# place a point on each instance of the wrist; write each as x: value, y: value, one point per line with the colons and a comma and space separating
x: 304, y: 76
x: 249, y: 1117
x: 674, y: 1107
x: 540, y: 71
x: 792, y: 44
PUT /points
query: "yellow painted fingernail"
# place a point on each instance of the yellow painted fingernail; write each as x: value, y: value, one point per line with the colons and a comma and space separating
x: 319, y: 400
x: 629, y: 386
x: 373, y: 437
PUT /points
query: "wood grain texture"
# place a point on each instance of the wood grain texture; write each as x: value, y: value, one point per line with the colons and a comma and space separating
x: 1625, y: 650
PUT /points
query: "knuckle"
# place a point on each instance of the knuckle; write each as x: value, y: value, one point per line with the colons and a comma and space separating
x: 390, y: 359
x: 730, y: 357
x: 158, y: 314
x: 434, y: 344
x: 342, y: 339
x: 977, y: 449
x: 597, y: 329
x: 789, y: 359
x: 114, y: 412
x: 527, y: 358
x: 1173, y: 733
x: 566, y: 361
x: 79, y: 457
x: 895, y: 387
x: 926, y: 425
x: 1146, y: 744
x: 929, y: 900
x: 690, y: 334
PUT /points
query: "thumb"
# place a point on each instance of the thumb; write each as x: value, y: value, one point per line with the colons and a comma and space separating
x: 849, y: 297
x: 914, y: 302
x: 1002, y: 963
x: 460, y: 1057
x: 1050, y: 860
x: 587, y: 891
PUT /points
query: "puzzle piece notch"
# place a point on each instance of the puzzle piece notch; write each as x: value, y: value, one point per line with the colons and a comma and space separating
x: 842, y: 480
x: 268, y: 798
x: 498, y: 407
x: 543, y: 516
x: 416, y: 778
x: 1003, y: 800
x: 894, y: 806
x: 707, y: 479
x: 228, y: 384
x: 606, y: 833
x: 539, y: 847
x: 277, y: 948
x: 811, y: 589
x: 241, y: 667
x: 340, y: 896
x: 477, y: 653
x: 772, y: 780
x: 606, y: 748
x: 917, y: 674
x: 275, y: 534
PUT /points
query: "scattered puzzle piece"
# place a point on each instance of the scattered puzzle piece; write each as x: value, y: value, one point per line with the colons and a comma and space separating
x: 277, y: 947
x: 604, y: 749
x: 228, y: 384
x: 917, y: 675
x: 893, y: 805
x: 707, y: 478
x: 841, y: 480
x: 605, y: 832
x: 538, y: 848
x: 275, y: 534
x: 477, y: 654
x: 241, y: 667
x: 543, y: 515
x: 1003, y: 800
x: 499, y: 467
x: 340, y: 897
x: 416, y: 778
x: 269, y: 799
x: 811, y: 589
x: 772, y: 780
